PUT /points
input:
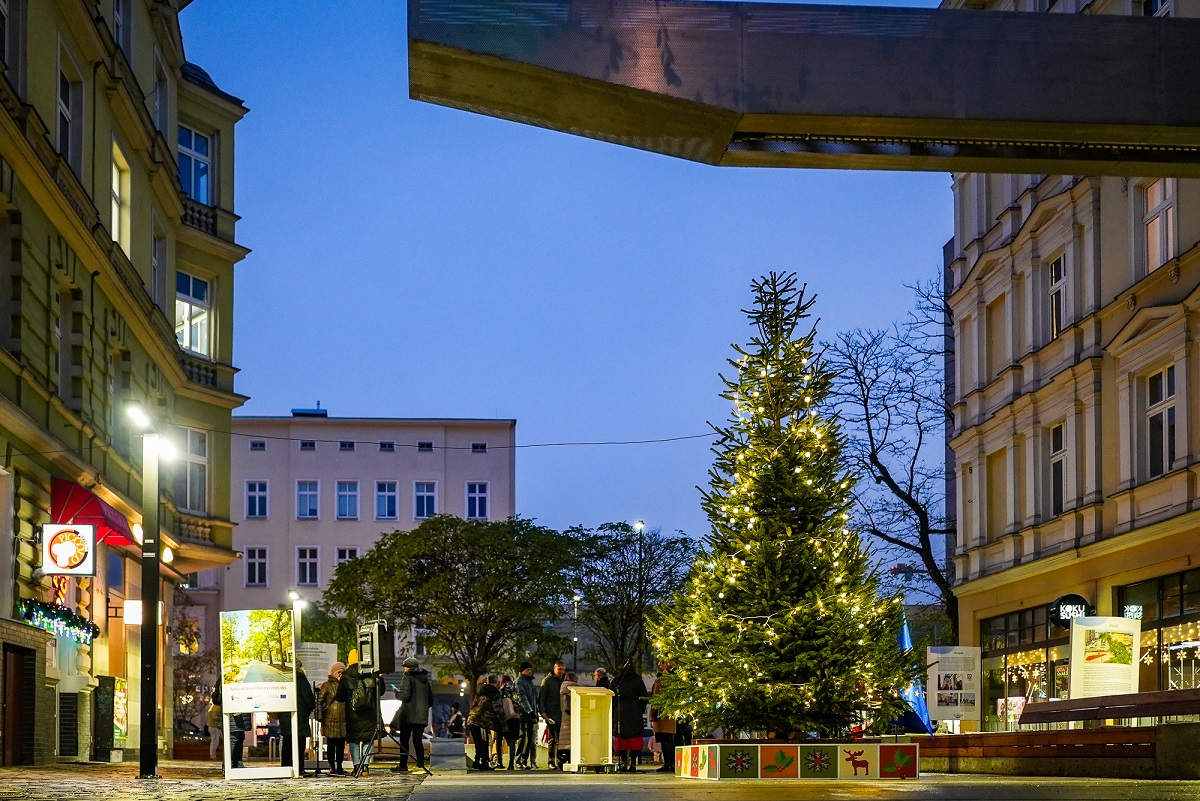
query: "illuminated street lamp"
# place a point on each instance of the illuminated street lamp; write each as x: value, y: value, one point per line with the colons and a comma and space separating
x: 154, y: 448
x: 575, y: 631
x: 298, y: 604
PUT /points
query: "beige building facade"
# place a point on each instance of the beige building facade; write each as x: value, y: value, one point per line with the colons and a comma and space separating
x: 311, y: 491
x: 1076, y: 396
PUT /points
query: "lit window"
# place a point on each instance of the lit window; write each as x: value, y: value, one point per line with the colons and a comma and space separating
x: 192, y: 307
x: 307, y: 562
x: 256, y: 567
x: 307, y: 495
x: 1160, y: 421
x: 385, y: 500
x: 1058, y: 296
x: 477, y: 501
x: 1058, y: 468
x: 347, y: 500
x: 256, y: 499
x: 424, y: 499
x: 1159, y: 220
x: 191, y: 471
x: 195, y: 164
x: 119, y: 195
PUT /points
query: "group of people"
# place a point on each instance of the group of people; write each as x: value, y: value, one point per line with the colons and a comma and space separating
x: 505, y: 712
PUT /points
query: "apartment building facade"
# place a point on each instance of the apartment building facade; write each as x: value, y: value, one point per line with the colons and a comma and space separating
x: 312, y: 491
x: 1076, y: 392
x: 116, y: 283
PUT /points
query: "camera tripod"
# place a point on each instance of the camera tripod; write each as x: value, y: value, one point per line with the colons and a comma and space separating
x: 382, y: 729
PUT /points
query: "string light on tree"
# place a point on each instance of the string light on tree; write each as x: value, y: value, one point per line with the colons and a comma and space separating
x: 782, y: 628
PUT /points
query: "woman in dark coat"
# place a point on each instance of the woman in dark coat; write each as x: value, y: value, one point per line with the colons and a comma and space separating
x: 629, y: 703
x: 360, y: 723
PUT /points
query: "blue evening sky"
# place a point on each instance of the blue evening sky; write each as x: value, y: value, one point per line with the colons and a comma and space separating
x: 415, y: 261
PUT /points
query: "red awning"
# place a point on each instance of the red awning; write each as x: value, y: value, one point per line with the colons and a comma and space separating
x: 71, y: 503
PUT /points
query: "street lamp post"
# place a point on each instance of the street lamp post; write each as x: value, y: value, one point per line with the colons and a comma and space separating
x: 152, y: 447
x: 575, y: 631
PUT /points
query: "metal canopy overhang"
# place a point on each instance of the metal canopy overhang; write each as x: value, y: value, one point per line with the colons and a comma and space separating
x: 745, y: 84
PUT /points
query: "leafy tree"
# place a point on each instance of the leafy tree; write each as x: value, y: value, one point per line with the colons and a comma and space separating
x: 628, y: 571
x: 478, y: 589
x: 781, y: 626
x: 890, y: 390
x: 192, y: 668
x: 317, y: 625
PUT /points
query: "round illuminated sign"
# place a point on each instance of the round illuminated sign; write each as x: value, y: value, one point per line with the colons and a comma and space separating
x: 1067, y: 608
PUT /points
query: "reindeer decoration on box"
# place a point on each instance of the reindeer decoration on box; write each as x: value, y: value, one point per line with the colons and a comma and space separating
x: 853, y: 758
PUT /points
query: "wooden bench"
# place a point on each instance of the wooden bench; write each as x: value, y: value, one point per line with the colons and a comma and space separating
x: 1164, y: 703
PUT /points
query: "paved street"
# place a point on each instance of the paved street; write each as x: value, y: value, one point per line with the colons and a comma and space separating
x: 197, y: 781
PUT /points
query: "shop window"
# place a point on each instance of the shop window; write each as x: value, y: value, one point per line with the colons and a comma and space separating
x: 1140, y: 601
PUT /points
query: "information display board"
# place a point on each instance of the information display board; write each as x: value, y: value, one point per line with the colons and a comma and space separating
x: 952, y: 686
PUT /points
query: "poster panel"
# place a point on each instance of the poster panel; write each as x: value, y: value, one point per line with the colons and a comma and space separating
x: 1104, y: 656
x: 258, y: 661
x: 316, y: 659
x: 952, y: 685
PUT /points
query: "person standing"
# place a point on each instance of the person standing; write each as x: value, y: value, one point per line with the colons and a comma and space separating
x: 332, y: 714
x: 456, y: 723
x: 628, y: 705
x: 601, y: 677
x: 564, y: 731
x: 215, y: 724
x: 527, y: 697
x: 239, y: 724
x: 664, y: 726
x: 486, y: 715
x: 306, y: 702
x: 416, y: 698
x: 513, y: 713
x: 550, y: 706
x: 357, y: 690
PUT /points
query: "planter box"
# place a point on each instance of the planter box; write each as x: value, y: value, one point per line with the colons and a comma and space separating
x: 852, y: 760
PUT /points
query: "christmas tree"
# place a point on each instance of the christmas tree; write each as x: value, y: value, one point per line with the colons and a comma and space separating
x: 781, y: 627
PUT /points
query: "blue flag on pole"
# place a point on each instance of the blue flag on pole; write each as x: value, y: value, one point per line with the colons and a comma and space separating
x: 917, y: 718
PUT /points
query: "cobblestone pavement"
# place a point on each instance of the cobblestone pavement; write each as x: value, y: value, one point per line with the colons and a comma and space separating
x: 185, y: 781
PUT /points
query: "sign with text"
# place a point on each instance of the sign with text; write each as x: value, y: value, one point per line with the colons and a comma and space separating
x: 68, y: 550
x: 258, y: 661
x: 1104, y: 656
x: 1067, y: 608
x: 952, y: 687
x: 316, y: 658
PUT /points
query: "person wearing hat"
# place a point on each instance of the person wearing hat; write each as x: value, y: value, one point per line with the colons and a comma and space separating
x: 416, y: 698
x: 332, y: 714
x: 527, y: 695
x: 357, y: 690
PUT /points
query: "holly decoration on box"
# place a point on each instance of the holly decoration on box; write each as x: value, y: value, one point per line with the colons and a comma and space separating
x: 782, y: 762
x: 781, y: 626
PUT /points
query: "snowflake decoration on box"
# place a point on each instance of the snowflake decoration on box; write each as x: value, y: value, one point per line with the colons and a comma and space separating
x: 739, y: 761
x: 818, y: 761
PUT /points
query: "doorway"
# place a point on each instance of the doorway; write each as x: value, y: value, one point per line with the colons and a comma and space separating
x: 19, y: 692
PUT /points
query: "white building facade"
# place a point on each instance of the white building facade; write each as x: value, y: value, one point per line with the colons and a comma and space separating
x: 310, y: 491
x: 1076, y: 393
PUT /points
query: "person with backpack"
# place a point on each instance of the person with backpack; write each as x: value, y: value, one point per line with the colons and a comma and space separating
x: 527, y: 696
x: 332, y: 714
x: 357, y: 690
x: 486, y: 715
x: 513, y: 714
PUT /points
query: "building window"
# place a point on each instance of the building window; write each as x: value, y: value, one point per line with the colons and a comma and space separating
x: 344, y: 554
x: 308, y: 445
x: 256, y: 499
x: 119, y: 195
x: 1058, y: 468
x: 5, y: 24
x: 191, y: 471
x: 258, y: 444
x: 161, y: 94
x: 345, y: 445
x: 192, y: 306
x: 158, y: 262
x: 70, y: 114
x: 478, y: 447
x: 256, y: 567
x: 387, y: 447
x: 195, y: 164
x: 424, y: 447
x: 347, y: 500
x: 122, y: 27
x: 1058, y: 296
x: 385, y: 500
x: 307, y: 497
x: 307, y: 560
x: 1158, y: 204
x: 477, y: 501
x: 1160, y: 421
x: 424, y: 499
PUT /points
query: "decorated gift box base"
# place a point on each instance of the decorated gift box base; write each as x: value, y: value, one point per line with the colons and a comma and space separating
x: 847, y: 760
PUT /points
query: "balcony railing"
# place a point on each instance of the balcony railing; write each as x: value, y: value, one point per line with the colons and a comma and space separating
x: 199, y: 216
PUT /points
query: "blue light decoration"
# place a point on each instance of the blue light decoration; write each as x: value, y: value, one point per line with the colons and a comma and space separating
x: 58, y: 620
